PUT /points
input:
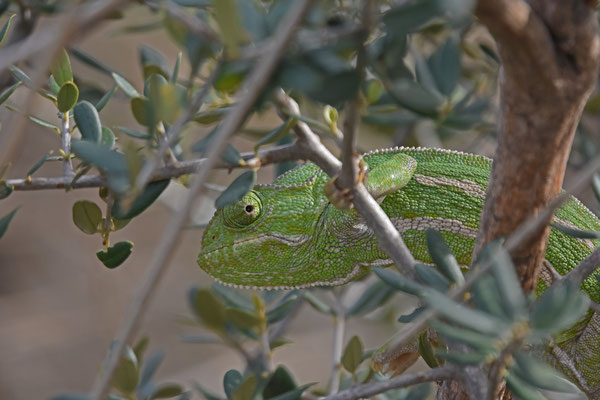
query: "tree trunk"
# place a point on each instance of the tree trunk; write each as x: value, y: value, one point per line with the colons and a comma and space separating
x: 549, y: 52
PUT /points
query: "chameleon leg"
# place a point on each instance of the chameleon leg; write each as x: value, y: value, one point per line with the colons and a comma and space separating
x: 387, y: 177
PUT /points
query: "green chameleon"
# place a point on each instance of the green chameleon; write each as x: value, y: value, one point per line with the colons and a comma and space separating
x: 289, y: 235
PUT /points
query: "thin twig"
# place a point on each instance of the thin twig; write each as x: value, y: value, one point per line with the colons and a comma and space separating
x: 253, y: 86
x: 339, y: 323
x: 447, y: 372
x: 270, y: 155
x: 65, y: 135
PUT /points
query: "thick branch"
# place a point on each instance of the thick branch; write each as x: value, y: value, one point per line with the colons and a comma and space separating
x: 538, y: 117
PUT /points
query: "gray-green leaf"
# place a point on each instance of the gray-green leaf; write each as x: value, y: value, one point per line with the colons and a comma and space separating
x: 88, y: 121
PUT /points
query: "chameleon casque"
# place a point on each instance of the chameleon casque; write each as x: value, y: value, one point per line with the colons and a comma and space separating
x: 288, y: 235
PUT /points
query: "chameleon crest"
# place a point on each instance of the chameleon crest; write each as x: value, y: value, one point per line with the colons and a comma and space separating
x: 288, y: 234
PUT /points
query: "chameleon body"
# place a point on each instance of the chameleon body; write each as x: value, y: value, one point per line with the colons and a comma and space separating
x: 288, y: 235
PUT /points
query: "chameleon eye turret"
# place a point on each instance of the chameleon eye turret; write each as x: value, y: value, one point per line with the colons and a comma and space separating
x: 243, y: 213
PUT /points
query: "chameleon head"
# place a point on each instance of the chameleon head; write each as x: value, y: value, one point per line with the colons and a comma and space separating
x: 261, y: 241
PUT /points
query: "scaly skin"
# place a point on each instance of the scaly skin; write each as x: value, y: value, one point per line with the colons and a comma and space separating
x: 287, y: 234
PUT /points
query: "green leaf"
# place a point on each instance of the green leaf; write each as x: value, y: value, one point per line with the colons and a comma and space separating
x: 443, y: 257
x: 463, y: 315
x: 108, y: 137
x: 142, y: 202
x: 426, y: 351
x: 208, y: 309
x: 398, y: 282
x: 352, y: 356
x: 295, y: 394
x: 115, y: 255
x: 133, y: 133
x: 8, y: 91
x: 410, y: 317
x: 151, y: 57
x: 4, y: 29
x: 241, y: 318
x: 317, y: 304
x: 88, y: 59
x: 432, y: 278
x: 233, y: 297
x: 5, y: 190
x: 282, y: 309
x: 246, y: 389
x: 140, y: 348
x: 87, y: 216
x: 238, y: 188
x: 484, y: 343
x: 276, y: 133
x: 150, y: 367
x: 67, y: 97
x: 175, y: 73
x: 110, y: 162
x: 104, y: 100
x: 558, y: 308
x: 61, y: 69
x: 231, y: 381
x: 39, y: 163
x: 43, y: 123
x: 576, y: 233
x: 167, y: 391
x: 280, y: 382
x: 88, y: 122
x: 142, y: 111
x: 595, y: 184
x: 505, y: 278
x: 20, y: 75
x: 211, y: 116
x: 120, y: 223
x: 522, y: 389
x: 445, y: 66
x: 414, y: 97
x: 410, y: 16
x: 4, y: 221
x: 231, y: 75
x: 54, y: 88
x: 126, y: 376
x: 487, y: 297
x: 125, y: 85
x: 227, y: 17
x: 541, y: 375
x: 372, y: 298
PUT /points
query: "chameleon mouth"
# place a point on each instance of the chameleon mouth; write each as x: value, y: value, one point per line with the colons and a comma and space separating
x: 341, y: 281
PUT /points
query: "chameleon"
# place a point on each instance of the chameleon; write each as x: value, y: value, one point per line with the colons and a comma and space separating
x: 289, y: 235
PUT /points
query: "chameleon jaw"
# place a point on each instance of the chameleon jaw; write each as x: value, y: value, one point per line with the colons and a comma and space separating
x: 353, y: 274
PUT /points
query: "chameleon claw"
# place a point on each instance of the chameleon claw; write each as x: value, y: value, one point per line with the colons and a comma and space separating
x: 340, y: 198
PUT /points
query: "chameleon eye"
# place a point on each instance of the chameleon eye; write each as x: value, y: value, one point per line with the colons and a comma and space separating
x: 244, y: 212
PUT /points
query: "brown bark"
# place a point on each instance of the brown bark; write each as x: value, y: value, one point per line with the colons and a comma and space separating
x: 549, y: 51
